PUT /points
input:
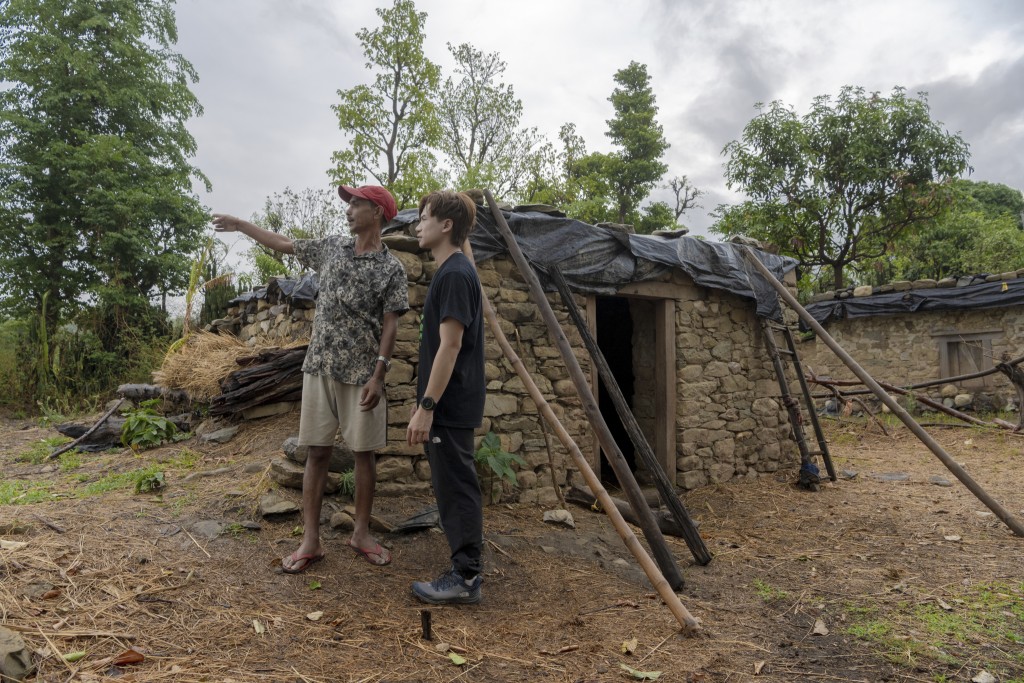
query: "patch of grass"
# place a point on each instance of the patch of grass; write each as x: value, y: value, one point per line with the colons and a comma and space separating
x: 769, y: 593
x: 23, y: 493
x: 185, y: 459
x: 348, y: 483
x: 38, y: 451
x: 233, y: 529
x: 70, y: 461
x: 984, y: 628
x: 122, y: 480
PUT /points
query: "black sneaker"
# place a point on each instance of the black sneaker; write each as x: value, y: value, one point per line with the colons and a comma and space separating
x: 449, y: 589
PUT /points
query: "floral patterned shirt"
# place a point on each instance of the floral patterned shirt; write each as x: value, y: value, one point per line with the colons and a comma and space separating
x: 355, y: 293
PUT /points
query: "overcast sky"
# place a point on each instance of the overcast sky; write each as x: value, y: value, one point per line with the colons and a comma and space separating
x: 270, y: 70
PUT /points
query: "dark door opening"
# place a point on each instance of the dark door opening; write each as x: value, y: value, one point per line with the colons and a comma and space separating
x: 615, y: 339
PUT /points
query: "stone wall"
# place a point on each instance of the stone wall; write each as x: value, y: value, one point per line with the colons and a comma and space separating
x: 905, y: 349
x: 729, y: 422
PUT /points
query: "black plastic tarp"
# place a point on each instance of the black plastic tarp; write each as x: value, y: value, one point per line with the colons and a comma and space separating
x: 978, y: 296
x: 596, y: 260
x: 599, y: 260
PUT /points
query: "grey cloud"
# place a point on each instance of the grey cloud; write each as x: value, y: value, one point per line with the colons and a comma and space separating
x: 988, y: 112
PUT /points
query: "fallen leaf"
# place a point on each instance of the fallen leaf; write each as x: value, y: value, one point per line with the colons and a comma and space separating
x: 128, y: 657
x: 627, y: 603
x: 12, y: 545
x: 314, y: 616
x: 952, y: 538
x: 819, y: 628
x: 457, y: 660
x: 758, y: 667
x: 442, y: 647
x: 629, y: 646
x: 258, y: 626
x: 943, y: 604
x: 641, y: 675
x: 51, y: 594
x: 74, y: 656
x: 315, y: 585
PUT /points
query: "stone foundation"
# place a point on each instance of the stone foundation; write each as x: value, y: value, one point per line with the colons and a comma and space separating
x: 729, y: 423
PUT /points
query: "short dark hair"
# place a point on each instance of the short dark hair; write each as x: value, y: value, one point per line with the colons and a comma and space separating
x: 457, y: 206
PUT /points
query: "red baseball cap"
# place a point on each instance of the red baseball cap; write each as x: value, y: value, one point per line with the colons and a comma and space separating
x: 374, y: 193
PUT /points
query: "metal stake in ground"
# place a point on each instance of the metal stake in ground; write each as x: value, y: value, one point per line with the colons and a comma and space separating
x: 665, y: 487
x: 885, y: 398
x: 655, y: 539
x: 687, y: 621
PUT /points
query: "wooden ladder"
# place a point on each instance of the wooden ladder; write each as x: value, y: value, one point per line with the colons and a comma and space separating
x: 797, y: 405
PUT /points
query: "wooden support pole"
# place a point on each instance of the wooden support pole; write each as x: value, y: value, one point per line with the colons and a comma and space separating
x: 655, y: 539
x: 888, y: 400
x: 687, y: 622
x: 666, y: 488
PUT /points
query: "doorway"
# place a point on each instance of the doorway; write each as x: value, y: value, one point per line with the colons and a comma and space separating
x: 615, y: 339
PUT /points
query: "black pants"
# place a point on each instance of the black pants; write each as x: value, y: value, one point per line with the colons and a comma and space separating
x: 457, y: 489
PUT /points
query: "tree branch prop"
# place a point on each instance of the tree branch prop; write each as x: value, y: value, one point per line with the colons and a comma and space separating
x: 68, y: 446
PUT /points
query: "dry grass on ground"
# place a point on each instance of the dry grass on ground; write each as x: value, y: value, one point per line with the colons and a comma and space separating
x: 913, y: 581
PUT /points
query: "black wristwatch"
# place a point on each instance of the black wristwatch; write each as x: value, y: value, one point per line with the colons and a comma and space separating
x: 428, y: 403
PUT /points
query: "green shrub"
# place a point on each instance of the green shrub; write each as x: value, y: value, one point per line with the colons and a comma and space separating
x: 498, y: 460
x: 144, y: 428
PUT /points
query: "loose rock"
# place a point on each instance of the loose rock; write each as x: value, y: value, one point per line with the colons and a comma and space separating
x: 563, y: 517
x: 272, y: 504
x: 221, y: 435
x: 15, y: 659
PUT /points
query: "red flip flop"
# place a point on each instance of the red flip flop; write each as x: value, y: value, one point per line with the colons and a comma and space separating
x: 306, y: 560
x: 381, y: 553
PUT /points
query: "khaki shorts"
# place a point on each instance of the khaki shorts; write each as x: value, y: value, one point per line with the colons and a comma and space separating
x: 328, y: 404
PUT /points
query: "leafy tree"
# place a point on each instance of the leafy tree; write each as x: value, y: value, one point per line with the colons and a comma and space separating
x: 307, y: 214
x: 636, y: 167
x: 836, y: 187
x: 96, y: 203
x: 979, y: 234
x: 392, y: 122
x: 480, y: 132
x: 94, y: 170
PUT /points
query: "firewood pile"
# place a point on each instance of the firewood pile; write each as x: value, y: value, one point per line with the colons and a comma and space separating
x: 271, y: 376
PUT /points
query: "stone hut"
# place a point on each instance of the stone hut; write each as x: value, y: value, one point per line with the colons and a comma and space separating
x: 689, y: 357
x: 911, y: 332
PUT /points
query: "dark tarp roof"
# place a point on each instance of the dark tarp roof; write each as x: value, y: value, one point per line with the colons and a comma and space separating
x: 975, y: 296
x: 599, y: 260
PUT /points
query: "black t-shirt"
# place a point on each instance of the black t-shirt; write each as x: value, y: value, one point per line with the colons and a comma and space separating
x: 454, y: 292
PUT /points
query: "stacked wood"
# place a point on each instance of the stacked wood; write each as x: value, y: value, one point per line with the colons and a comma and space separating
x: 270, y: 376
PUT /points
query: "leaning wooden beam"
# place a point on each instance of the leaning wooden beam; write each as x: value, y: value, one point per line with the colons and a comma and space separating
x: 655, y: 539
x: 584, y: 498
x: 687, y: 621
x: 885, y: 398
x: 666, y: 488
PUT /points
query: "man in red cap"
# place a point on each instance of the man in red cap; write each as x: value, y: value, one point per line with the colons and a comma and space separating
x: 363, y: 291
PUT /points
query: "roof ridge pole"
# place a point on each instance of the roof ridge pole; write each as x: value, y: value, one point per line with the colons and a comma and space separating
x: 662, y: 553
x: 896, y: 408
x: 687, y: 622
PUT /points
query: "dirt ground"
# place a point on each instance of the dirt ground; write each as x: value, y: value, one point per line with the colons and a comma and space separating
x: 889, y: 574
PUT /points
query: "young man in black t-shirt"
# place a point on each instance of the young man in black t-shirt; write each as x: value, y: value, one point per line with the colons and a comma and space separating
x: 450, y: 393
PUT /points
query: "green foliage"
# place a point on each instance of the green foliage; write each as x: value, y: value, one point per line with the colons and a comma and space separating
x: 306, y: 214
x: 14, y: 376
x: 97, y: 211
x: 636, y: 167
x: 392, y: 122
x: 839, y: 185
x: 95, y: 176
x: 145, y: 428
x: 481, y: 137
x: 18, y: 492
x: 348, y: 483
x: 150, y: 482
x: 70, y: 461
x: 769, y: 593
x: 39, y: 450
x: 989, y: 613
x: 980, y: 233
x: 138, y: 480
x: 498, y: 460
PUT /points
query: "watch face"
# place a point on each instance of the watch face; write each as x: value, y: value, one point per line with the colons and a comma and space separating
x: 427, y: 403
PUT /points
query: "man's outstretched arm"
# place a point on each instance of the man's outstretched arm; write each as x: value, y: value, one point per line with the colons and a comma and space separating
x: 222, y: 222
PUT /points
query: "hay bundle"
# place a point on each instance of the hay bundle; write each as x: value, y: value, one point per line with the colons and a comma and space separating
x: 199, y: 365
